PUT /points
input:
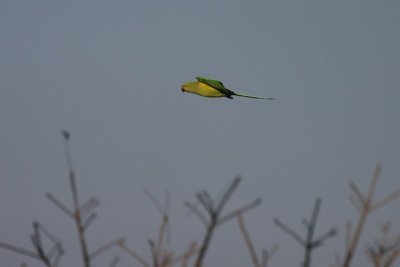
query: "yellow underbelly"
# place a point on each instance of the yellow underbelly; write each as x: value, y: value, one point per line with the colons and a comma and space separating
x: 208, y: 91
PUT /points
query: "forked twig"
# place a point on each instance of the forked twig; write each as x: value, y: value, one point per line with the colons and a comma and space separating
x: 161, y: 257
x: 186, y: 255
x: 249, y: 242
x: 49, y: 258
x: 309, y: 243
x: 367, y: 205
x: 214, y: 211
x: 196, y: 211
x: 105, y: 247
x: 384, y: 252
x: 19, y: 250
x: 77, y: 212
x: 133, y: 254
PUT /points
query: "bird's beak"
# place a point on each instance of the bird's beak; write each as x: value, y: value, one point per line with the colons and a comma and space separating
x: 183, y: 89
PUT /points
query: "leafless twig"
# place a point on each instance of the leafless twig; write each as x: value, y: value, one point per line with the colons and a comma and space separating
x: 384, y: 252
x: 77, y: 212
x: 105, y: 247
x: 214, y: 211
x: 265, y: 256
x: 309, y: 243
x: 367, y: 206
x: 133, y: 254
x: 49, y: 257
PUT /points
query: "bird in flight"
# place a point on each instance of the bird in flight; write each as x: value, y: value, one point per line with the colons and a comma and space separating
x: 213, y: 88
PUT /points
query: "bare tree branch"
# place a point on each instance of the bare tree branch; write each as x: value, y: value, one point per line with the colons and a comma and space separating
x: 309, y: 244
x: 196, y: 211
x: 76, y: 205
x: 360, y: 198
x: 153, y: 200
x: 367, y: 207
x: 214, y: 212
x: 385, y: 200
x: 133, y: 254
x: 247, y: 239
x: 320, y: 240
x: 267, y: 255
x: 185, y: 256
x: 60, y: 205
x: 205, y: 202
x: 227, y: 194
x: 89, y: 220
x: 241, y: 210
x: 19, y: 250
x: 105, y: 247
x: 154, y: 252
x: 385, y: 252
x: 89, y: 206
x: 289, y: 231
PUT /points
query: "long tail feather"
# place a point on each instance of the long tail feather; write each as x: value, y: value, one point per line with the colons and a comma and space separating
x: 255, y: 97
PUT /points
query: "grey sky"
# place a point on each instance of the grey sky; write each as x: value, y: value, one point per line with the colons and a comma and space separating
x: 110, y: 72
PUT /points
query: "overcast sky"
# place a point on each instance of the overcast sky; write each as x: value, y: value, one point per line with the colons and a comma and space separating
x: 110, y: 73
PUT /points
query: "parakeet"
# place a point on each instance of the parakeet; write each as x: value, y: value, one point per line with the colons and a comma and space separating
x: 212, y: 88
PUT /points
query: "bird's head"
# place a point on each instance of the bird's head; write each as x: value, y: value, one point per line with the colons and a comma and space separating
x: 186, y: 87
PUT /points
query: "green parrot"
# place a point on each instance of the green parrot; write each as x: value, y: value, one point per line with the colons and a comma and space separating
x: 212, y: 88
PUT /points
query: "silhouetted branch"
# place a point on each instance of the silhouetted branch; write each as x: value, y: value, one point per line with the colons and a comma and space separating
x: 161, y: 235
x: 196, y: 211
x: 386, y: 251
x: 248, y: 241
x: 46, y: 232
x: 185, y: 256
x: 309, y: 244
x: 154, y: 253
x: 227, y: 195
x: 209, y: 206
x: 133, y: 254
x: 19, y: 250
x: 155, y: 202
x: 89, y: 206
x: 385, y: 200
x: 75, y: 198
x: 367, y: 206
x: 55, y: 253
x: 208, y: 199
x: 267, y: 255
x: 319, y: 240
x: 359, y: 196
x: 38, y: 245
x: 241, y: 210
x: 105, y: 247
x: 355, y: 202
x: 289, y: 231
x: 160, y: 257
x: 205, y: 243
x: 50, y: 258
x: 214, y: 212
x: 60, y: 205
x: 89, y: 220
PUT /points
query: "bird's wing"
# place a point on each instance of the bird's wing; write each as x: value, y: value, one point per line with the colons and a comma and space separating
x: 210, y: 82
x: 217, y: 85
